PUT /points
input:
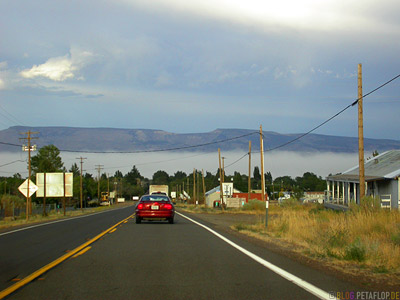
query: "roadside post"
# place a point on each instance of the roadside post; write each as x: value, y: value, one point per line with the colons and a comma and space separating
x: 263, y: 176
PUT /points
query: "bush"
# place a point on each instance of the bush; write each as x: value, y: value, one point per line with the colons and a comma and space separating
x: 291, y: 202
x: 338, y: 239
x: 254, y: 205
x: 356, y: 251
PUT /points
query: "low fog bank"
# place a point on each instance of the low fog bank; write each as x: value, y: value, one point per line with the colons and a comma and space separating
x: 279, y: 163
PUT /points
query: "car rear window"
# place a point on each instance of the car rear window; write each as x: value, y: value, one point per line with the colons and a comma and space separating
x: 155, y: 198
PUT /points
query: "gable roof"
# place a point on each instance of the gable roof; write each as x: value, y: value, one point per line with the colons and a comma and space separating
x: 216, y: 190
x: 383, y: 166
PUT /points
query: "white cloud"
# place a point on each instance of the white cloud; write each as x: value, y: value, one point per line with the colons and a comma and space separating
x: 314, y: 15
x: 3, y: 67
x: 60, y: 68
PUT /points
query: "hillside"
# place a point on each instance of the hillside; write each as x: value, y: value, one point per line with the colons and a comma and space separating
x: 130, y: 140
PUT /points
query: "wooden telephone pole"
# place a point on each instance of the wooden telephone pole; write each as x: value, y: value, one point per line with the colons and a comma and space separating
x: 29, y: 148
x: 249, y: 183
x: 361, y: 135
x: 204, y: 188
x: 81, y: 183
x: 194, y: 186
x: 263, y: 176
x: 98, y: 168
x: 220, y: 180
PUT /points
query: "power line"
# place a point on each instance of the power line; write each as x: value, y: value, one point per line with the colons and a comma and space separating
x: 321, y: 124
x: 334, y: 116
x: 236, y: 161
x: 15, y: 120
x: 13, y: 162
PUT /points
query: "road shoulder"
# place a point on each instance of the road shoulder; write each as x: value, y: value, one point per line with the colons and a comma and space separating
x: 342, y: 270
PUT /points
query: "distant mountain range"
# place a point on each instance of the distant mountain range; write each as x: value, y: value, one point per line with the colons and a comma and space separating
x: 132, y: 140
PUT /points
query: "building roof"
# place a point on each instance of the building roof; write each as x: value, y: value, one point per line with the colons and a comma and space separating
x: 216, y: 190
x: 383, y: 166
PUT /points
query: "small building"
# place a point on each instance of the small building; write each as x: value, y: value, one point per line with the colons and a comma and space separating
x: 213, y: 196
x: 382, y: 180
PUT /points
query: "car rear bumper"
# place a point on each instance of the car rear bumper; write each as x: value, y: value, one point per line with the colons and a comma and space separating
x: 155, y: 214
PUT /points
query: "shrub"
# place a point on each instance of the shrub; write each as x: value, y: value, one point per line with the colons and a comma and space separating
x: 355, y: 251
x: 338, y: 239
x: 291, y: 202
x: 254, y: 205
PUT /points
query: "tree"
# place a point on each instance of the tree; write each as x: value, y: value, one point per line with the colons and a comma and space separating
x: 118, y: 174
x: 268, y: 177
x: 180, y: 175
x: 47, y: 160
x: 133, y: 175
x: 256, y: 173
x: 311, y: 182
x: 285, y: 182
x: 239, y: 182
x: 160, y: 177
x: 75, y: 170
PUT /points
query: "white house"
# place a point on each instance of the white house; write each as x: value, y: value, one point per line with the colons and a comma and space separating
x: 382, y: 179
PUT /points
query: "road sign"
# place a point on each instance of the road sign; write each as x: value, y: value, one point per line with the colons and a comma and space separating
x: 23, y: 188
x: 227, y: 189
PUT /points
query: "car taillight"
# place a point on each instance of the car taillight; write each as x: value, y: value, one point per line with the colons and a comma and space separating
x: 167, y: 206
x: 140, y: 206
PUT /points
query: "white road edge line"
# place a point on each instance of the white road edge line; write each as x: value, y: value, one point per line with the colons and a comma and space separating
x: 292, y: 278
x: 58, y: 221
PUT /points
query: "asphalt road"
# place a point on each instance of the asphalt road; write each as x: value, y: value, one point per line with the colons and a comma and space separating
x: 25, y: 251
x: 155, y: 260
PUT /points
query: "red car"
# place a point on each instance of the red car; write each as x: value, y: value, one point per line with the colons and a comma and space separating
x: 155, y: 207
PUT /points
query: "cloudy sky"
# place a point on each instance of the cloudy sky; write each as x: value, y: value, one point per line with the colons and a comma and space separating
x: 194, y: 66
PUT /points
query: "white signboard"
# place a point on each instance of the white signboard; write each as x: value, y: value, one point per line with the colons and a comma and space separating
x: 227, y: 189
x: 23, y: 188
x: 173, y: 195
x: 55, y: 184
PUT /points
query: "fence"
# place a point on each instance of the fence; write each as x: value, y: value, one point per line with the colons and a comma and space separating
x: 37, y: 209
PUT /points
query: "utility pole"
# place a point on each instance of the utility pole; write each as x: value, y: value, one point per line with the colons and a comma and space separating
x: 263, y: 176
x: 99, y: 168
x: 249, y: 183
x: 194, y: 186
x: 220, y: 179
x: 198, y: 186
x: 361, y: 135
x: 223, y: 169
x: 188, y: 185
x: 29, y: 148
x: 204, y: 188
x: 108, y: 189
x: 81, y: 183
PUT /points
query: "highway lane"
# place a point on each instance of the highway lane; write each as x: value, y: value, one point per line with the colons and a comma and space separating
x: 157, y: 260
x: 25, y: 251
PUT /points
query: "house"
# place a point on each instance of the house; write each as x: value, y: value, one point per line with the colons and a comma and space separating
x: 212, y: 196
x: 382, y: 179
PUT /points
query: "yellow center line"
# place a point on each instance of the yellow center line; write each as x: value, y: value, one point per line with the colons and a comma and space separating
x: 36, y: 274
x: 82, y: 252
x: 113, y: 230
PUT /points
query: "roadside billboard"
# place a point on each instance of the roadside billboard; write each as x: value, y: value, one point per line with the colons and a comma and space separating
x: 56, y: 184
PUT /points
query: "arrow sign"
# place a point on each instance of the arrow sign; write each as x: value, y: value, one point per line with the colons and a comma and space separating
x: 23, y: 188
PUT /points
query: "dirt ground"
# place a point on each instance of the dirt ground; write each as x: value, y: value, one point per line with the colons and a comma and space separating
x: 343, y: 270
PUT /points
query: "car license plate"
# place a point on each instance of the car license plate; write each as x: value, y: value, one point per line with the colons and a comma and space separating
x: 155, y: 207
